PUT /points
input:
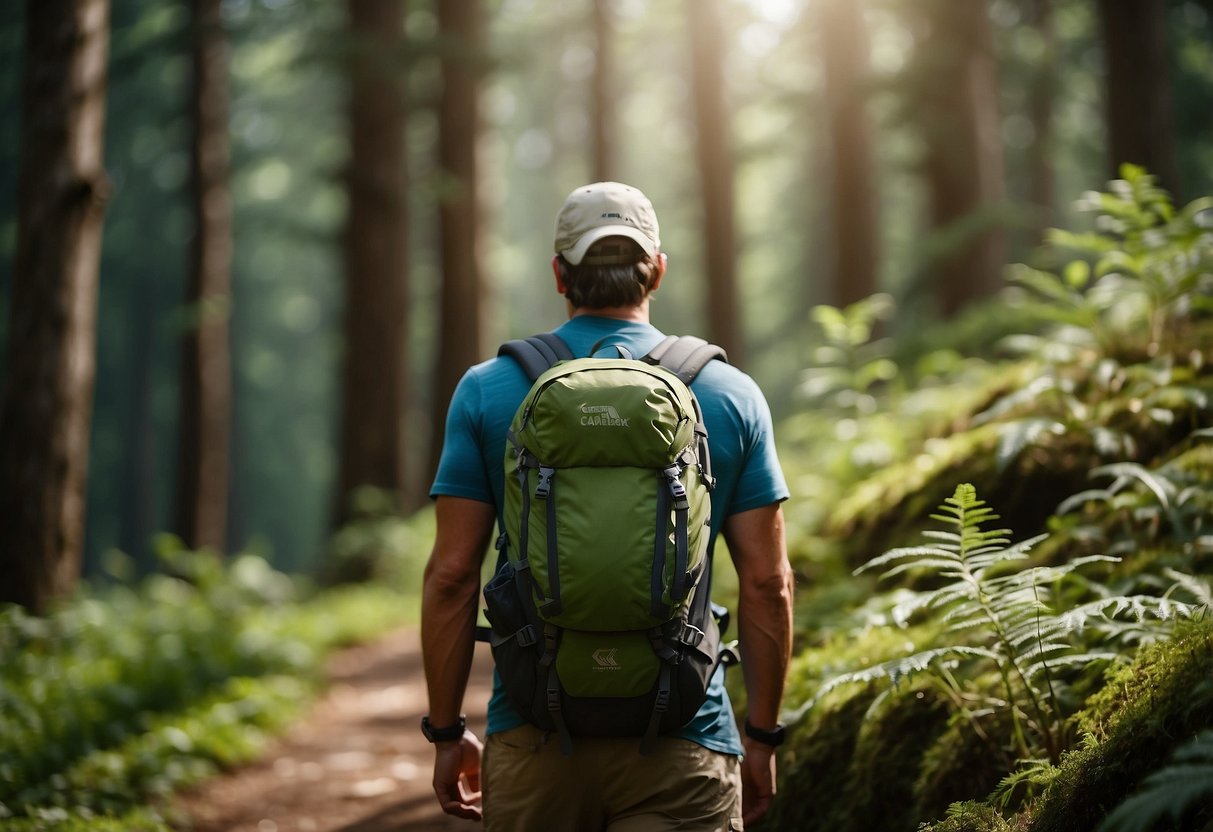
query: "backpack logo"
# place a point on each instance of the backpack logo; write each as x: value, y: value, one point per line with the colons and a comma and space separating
x: 604, y: 658
x: 601, y: 415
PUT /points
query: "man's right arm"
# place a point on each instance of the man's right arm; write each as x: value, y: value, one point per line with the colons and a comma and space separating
x: 448, y: 619
x: 764, y: 628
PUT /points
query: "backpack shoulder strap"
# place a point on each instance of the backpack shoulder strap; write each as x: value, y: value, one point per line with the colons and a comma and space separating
x: 537, y: 353
x: 685, y: 355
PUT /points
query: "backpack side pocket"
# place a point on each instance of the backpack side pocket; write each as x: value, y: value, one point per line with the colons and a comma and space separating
x: 516, y: 642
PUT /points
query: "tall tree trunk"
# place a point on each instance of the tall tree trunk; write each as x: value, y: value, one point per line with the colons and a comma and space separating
x: 964, y: 155
x: 375, y: 370
x: 44, y: 423
x: 603, y: 114
x: 1140, y: 107
x: 461, y: 342
x: 844, y: 51
x: 1040, y: 111
x: 714, y: 152
x: 206, y: 384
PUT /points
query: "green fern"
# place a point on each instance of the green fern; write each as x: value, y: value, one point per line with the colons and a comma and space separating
x: 1186, y: 784
x: 999, y: 613
x: 1167, y: 501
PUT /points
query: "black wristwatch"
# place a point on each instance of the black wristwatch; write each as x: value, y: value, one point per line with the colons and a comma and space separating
x: 773, y: 737
x: 448, y: 734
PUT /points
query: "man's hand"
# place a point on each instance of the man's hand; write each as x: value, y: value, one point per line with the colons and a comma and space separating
x: 457, y: 776
x: 757, y: 781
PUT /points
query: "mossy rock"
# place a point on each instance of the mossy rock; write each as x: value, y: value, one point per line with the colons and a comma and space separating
x: 1132, y: 727
x: 815, y: 768
x: 963, y: 764
x: 888, y: 757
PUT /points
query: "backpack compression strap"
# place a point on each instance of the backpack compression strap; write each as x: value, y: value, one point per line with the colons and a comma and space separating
x: 537, y: 354
x: 685, y: 355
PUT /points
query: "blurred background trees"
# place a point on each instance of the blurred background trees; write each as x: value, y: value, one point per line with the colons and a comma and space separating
x: 395, y: 168
x: 375, y: 371
x: 44, y: 416
x: 206, y: 378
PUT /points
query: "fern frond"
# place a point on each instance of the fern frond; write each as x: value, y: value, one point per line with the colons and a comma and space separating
x: 1201, y: 591
x: 1142, y: 607
x: 1033, y: 774
x: 1016, y: 436
x: 1034, y: 668
x: 895, y: 670
x: 1091, y: 495
x: 945, y: 566
x: 899, y: 554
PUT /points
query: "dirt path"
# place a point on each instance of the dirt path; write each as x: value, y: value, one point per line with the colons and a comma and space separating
x: 355, y: 763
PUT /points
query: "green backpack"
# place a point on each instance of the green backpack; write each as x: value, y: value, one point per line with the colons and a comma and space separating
x: 601, y: 619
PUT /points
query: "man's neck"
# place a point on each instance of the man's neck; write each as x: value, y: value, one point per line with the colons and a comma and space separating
x: 638, y: 313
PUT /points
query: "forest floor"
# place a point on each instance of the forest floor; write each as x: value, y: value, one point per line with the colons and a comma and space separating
x: 355, y: 762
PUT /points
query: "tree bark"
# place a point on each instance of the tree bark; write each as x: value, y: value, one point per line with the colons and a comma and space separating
x: 461, y: 342
x: 206, y: 385
x: 375, y: 373
x: 603, y: 95
x: 964, y: 155
x: 1139, y: 103
x: 714, y: 151
x: 844, y: 55
x: 44, y: 423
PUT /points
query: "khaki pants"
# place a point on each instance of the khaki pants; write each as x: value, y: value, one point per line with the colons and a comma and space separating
x: 606, y: 786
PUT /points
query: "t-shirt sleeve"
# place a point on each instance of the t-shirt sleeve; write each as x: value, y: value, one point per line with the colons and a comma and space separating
x: 461, y: 471
x: 761, y: 482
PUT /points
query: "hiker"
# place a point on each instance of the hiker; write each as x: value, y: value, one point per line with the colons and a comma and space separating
x: 706, y: 774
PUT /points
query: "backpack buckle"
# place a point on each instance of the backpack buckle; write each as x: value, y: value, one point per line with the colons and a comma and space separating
x: 677, y: 490
x: 662, y: 703
x: 527, y: 636
x: 544, y: 488
x: 690, y: 635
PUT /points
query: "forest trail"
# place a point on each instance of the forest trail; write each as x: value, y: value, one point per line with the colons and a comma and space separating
x: 355, y: 762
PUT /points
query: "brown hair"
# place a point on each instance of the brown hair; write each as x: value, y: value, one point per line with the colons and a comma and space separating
x: 591, y: 285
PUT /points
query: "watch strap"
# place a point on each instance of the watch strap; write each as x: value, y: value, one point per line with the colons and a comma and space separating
x: 446, y: 734
x: 773, y: 737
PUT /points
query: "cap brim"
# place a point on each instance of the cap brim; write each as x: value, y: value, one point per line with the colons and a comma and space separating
x: 575, y: 254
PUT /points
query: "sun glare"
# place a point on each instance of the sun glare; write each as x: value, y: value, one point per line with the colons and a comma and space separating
x: 780, y: 12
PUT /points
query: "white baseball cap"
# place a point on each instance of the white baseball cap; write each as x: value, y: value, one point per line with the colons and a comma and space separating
x: 605, y: 209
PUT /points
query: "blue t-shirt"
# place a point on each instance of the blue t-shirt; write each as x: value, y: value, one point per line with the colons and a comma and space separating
x: 740, y: 440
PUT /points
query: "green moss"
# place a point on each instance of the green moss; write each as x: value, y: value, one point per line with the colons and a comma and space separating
x: 887, y: 758
x: 965, y: 762
x: 1130, y: 729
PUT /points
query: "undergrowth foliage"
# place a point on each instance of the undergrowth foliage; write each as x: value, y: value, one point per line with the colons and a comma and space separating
x: 998, y: 615
x: 130, y: 692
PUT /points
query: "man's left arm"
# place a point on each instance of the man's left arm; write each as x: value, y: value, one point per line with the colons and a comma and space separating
x: 448, y: 620
x: 764, y: 628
